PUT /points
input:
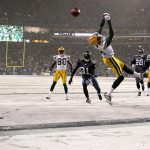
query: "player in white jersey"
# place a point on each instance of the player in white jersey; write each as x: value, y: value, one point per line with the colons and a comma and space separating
x: 103, y: 45
x: 61, y: 60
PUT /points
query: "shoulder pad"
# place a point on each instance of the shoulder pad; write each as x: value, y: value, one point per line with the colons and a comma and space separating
x: 148, y: 57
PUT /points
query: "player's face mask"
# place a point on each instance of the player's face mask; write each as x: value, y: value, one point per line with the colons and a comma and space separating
x: 96, y: 39
x: 61, y: 52
x: 141, y: 51
x: 87, y: 56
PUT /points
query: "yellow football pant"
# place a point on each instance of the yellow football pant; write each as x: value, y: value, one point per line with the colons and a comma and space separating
x: 149, y: 75
x: 115, y: 64
x: 62, y: 74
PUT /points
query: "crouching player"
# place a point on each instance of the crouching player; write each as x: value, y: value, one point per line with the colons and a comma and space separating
x: 61, y: 60
x: 87, y: 68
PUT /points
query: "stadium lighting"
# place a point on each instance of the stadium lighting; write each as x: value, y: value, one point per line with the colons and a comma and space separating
x: 27, y: 40
x: 78, y: 34
x: 83, y: 34
x: 73, y: 34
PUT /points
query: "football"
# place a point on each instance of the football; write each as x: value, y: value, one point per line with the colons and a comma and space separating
x: 75, y: 12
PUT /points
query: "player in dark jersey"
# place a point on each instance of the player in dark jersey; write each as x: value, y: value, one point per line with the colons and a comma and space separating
x: 87, y: 67
x: 139, y: 64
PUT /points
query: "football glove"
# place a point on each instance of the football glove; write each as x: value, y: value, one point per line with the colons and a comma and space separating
x: 106, y: 16
x: 70, y: 81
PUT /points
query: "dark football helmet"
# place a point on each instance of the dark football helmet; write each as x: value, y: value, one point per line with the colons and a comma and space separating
x: 87, y: 55
x: 140, y: 51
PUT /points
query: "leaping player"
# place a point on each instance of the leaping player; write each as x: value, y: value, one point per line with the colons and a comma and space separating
x: 103, y: 45
x: 61, y: 60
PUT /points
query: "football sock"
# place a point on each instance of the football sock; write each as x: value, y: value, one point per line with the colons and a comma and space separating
x: 53, y: 86
x: 85, y: 90
x: 65, y: 88
x: 117, y: 82
x: 111, y: 91
x: 148, y: 84
x: 148, y: 90
x: 138, y: 85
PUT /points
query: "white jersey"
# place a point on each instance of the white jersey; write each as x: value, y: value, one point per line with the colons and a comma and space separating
x: 106, y: 52
x: 61, y: 61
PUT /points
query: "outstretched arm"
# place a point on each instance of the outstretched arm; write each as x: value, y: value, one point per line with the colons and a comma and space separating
x: 74, y: 71
x: 101, y: 26
x: 133, y: 62
x: 70, y: 64
x: 111, y: 34
x: 52, y: 65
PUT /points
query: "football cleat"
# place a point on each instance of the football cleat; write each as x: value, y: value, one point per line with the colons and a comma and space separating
x: 99, y: 96
x: 88, y: 100
x: 67, y: 97
x: 139, y: 94
x: 108, y: 98
x: 49, y: 95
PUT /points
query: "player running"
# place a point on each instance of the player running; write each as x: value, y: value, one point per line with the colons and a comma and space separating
x: 103, y: 45
x: 61, y: 60
x: 139, y: 64
x: 87, y: 68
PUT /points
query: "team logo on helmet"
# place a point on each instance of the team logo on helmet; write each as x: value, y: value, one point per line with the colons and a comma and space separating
x: 61, y: 49
x: 96, y: 39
